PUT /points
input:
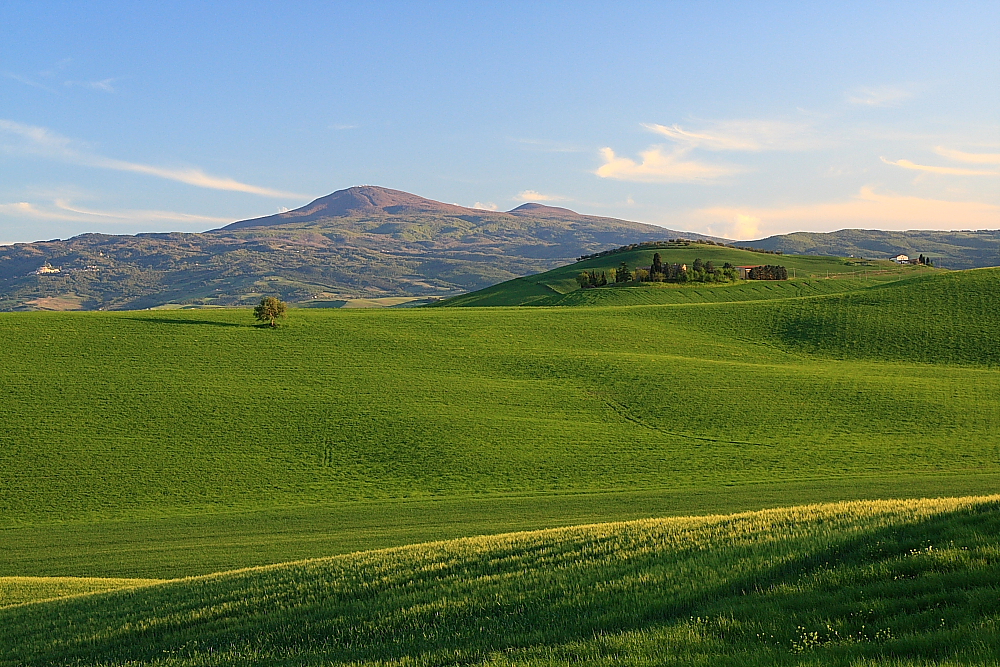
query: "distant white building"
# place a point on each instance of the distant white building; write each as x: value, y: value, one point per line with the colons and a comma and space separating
x: 46, y: 269
x: 900, y: 259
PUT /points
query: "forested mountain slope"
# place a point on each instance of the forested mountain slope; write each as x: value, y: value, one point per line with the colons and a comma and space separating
x: 360, y: 242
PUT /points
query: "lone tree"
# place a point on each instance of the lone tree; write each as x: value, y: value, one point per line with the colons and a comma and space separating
x: 269, y: 309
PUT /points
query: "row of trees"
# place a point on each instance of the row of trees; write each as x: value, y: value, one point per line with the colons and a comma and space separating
x: 594, y: 279
x: 698, y: 271
x: 658, y: 272
x: 768, y: 272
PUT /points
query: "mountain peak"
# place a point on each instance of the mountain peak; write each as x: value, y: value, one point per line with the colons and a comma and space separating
x: 355, y: 201
x: 531, y: 208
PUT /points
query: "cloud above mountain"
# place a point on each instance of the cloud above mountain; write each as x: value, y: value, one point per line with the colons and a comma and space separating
x: 658, y: 165
x: 43, y: 142
x: 677, y: 162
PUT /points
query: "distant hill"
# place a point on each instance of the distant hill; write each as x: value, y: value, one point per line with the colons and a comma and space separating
x: 362, y: 242
x: 358, y: 201
x: 811, y: 275
x: 369, y: 242
x: 952, y: 250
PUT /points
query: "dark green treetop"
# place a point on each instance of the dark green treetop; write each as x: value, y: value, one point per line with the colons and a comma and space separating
x: 269, y: 309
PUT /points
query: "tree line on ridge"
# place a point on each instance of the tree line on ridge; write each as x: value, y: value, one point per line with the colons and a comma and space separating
x: 698, y: 271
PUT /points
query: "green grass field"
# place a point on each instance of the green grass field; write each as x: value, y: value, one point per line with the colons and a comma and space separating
x: 887, y: 583
x: 148, y: 416
x: 154, y: 445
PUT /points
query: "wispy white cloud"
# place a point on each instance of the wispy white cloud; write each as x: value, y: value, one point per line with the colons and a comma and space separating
x: 27, y: 81
x: 659, y: 166
x: 43, y: 142
x: 879, y: 96
x: 23, y: 209
x: 867, y: 209
x: 63, y: 210
x: 954, y: 171
x: 131, y: 215
x: 488, y: 206
x: 195, y: 177
x: 742, y: 135
x: 102, y: 85
x: 970, y: 158
x: 36, y: 140
x: 534, y: 195
x: 342, y: 127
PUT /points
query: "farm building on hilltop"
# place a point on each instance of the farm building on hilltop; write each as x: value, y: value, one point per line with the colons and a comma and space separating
x: 900, y: 259
x: 46, y: 269
x: 745, y: 271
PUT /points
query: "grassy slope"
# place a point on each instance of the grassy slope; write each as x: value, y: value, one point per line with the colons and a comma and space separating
x: 849, y: 584
x: 558, y: 287
x: 193, y: 544
x: 202, y: 425
x: 19, y: 590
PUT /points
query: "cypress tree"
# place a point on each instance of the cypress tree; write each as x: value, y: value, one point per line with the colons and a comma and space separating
x: 622, y: 275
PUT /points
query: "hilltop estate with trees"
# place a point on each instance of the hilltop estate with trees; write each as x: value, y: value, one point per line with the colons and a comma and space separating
x: 699, y: 271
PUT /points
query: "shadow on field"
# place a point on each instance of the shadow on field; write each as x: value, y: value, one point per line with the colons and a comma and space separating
x: 171, y: 320
x: 925, y: 589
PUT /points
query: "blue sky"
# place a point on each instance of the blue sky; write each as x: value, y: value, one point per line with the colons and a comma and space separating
x: 738, y: 119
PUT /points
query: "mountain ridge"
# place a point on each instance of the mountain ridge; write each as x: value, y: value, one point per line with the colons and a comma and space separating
x: 964, y: 249
x: 374, y: 242
x: 361, y: 242
x: 374, y: 200
x: 355, y: 201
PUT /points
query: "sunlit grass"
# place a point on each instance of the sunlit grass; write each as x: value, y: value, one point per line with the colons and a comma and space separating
x: 19, y: 590
x: 828, y: 584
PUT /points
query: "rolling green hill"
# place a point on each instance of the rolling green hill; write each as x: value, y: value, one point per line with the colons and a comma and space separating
x: 902, y: 583
x: 810, y: 276
x: 165, y: 443
x: 964, y: 249
x: 151, y: 457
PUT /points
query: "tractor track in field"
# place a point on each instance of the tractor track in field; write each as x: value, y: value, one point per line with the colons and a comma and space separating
x: 622, y: 411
